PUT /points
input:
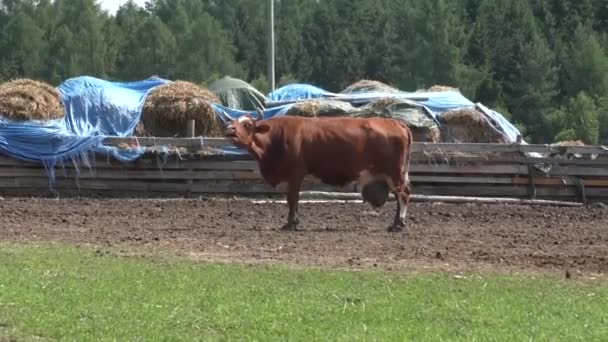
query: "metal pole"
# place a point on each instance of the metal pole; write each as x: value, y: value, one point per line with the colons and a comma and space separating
x: 271, y: 46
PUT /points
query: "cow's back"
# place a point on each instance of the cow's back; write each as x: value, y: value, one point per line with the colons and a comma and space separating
x: 337, y: 150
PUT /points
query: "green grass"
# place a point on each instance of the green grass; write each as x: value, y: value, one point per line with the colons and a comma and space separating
x: 82, y: 294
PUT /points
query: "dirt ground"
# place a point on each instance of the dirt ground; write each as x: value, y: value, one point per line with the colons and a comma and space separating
x: 337, y: 235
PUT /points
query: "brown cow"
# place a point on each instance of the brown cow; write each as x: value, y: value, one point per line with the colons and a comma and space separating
x: 337, y: 150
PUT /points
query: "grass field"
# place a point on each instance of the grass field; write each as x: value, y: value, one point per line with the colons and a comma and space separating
x: 59, y: 292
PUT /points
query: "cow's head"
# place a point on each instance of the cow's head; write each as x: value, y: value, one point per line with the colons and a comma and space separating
x: 242, y: 130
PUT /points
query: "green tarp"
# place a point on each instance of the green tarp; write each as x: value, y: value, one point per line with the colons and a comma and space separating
x: 238, y: 94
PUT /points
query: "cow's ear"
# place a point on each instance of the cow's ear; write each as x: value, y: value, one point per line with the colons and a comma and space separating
x: 262, y: 128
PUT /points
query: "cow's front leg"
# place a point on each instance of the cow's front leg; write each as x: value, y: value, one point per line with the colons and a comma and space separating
x: 293, y: 196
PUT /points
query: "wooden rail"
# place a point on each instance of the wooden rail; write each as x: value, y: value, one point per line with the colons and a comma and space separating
x: 572, y: 173
x: 421, y: 147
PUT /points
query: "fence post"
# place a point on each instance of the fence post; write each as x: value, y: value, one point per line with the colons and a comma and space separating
x: 191, y: 129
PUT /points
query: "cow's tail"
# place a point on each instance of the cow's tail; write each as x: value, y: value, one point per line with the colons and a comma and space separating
x: 408, y: 150
x: 408, y: 157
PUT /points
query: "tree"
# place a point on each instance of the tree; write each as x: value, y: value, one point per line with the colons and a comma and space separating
x: 245, y: 22
x: 210, y: 55
x: 128, y: 22
x: 532, y: 93
x: 62, y: 62
x: 82, y: 18
x: 292, y: 60
x: 430, y: 46
x: 155, y: 53
x: 579, y: 120
x: 203, y: 48
x: 23, y: 46
x: 585, y: 65
x: 332, y: 42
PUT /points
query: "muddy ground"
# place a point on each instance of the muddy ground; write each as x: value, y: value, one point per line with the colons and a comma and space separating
x: 337, y: 235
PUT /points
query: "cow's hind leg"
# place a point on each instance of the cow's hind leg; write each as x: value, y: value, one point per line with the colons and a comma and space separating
x: 401, y: 190
x: 293, y: 197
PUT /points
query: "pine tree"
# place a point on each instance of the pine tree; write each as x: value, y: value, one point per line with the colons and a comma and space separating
x: 23, y: 46
x: 82, y: 18
x: 155, y: 53
x: 579, y: 119
x: 128, y: 22
x: 585, y: 65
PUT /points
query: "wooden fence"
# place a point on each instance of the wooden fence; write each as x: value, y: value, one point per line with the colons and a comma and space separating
x: 194, y: 166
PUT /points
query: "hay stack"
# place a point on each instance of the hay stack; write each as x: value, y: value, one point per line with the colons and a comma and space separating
x: 440, y: 88
x: 314, y: 108
x: 569, y: 143
x: 422, y: 127
x: 26, y: 99
x: 425, y: 134
x: 468, y: 126
x: 307, y: 109
x: 364, y: 86
x: 169, y: 107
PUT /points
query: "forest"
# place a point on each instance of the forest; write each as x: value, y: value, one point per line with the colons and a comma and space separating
x: 541, y: 63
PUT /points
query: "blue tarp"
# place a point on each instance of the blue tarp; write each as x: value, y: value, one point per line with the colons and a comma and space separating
x: 95, y: 108
x: 229, y: 114
x: 506, y: 127
x: 298, y: 91
x: 99, y: 107
x: 435, y: 103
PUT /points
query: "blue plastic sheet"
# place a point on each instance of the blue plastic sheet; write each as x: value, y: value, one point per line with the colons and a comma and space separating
x: 227, y: 114
x: 298, y: 91
x: 435, y: 103
x: 508, y: 129
x: 95, y: 108
x: 99, y: 107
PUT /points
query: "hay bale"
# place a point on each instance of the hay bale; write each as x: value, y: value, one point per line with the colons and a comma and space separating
x: 425, y: 134
x: 440, y: 88
x: 365, y: 86
x: 314, y: 108
x: 569, y: 143
x: 563, y: 154
x: 27, y: 99
x: 468, y: 126
x: 169, y: 107
x: 423, y: 128
x: 140, y: 131
x: 306, y: 109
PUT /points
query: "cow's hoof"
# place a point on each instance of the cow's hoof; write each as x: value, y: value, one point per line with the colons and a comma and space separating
x: 396, y: 227
x: 290, y: 227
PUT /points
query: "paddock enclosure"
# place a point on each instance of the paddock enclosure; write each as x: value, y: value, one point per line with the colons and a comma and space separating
x: 211, y: 206
x: 499, y: 204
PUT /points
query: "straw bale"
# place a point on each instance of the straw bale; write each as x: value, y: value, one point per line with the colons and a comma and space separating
x: 26, y: 99
x: 440, y: 88
x: 423, y: 128
x: 314, y: 108
x: 569, y: 143
x: 425, y: 134
x: 364, y: 86
x: 140, y: 130
x: 306, y: 109
x: 169, y: 107
x: 468, y: 126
